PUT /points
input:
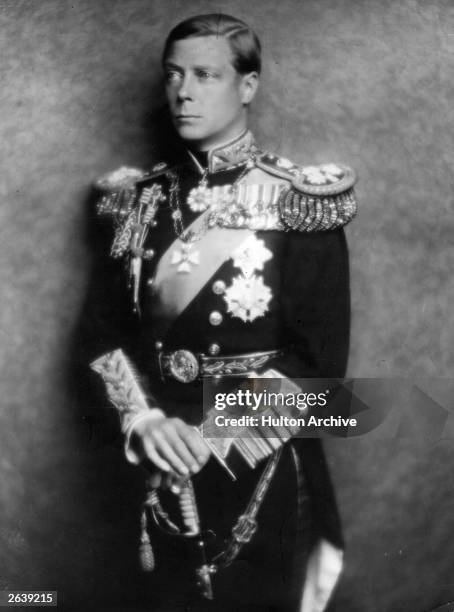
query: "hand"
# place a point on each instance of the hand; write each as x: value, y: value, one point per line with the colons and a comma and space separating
x: 166, y: 480
x: 169, y: 445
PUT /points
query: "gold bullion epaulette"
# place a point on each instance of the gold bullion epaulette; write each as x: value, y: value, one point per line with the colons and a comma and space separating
x: 119, y: 189
x: 318, y: 198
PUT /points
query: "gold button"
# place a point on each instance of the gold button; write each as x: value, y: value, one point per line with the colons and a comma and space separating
x: 218, y: 287
x: 214, y: 349
x: 215, y: 318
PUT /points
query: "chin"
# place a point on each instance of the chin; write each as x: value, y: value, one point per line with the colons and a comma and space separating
x: 190, y: 133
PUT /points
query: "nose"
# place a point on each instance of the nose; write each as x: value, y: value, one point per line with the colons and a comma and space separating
x: 185, y: 91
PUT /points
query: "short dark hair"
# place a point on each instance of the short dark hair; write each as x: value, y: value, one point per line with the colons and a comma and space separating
x: 243, y: 41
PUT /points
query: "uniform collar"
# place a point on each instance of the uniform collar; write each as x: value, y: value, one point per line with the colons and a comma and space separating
x: 228, y: 155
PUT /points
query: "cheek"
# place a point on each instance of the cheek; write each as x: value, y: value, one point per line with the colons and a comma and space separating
x: 227, y: 101
x: 170, y: 93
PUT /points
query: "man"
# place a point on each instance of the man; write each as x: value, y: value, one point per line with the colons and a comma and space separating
x: 236, y: 263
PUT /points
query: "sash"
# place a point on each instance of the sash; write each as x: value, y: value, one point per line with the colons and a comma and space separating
x: 173, y: 291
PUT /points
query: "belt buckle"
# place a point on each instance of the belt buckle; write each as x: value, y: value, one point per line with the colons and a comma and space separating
x: 183, y: 366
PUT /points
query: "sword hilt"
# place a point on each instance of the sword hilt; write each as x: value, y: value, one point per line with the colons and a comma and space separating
x: 190, y: 518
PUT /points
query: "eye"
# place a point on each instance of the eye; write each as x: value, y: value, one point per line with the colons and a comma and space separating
x: 204, y: 75
x: 172, y: 76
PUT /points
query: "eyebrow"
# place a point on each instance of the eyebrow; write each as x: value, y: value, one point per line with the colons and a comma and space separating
x: 198, y: 67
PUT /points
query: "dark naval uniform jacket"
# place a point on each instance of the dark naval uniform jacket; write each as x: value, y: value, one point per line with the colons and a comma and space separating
x: 227, y: 263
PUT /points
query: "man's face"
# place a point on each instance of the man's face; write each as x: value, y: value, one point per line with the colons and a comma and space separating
x: 207, y: 97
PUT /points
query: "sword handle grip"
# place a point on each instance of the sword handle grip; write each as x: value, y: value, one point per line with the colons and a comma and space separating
x: 188, y: 508
x: 190, y: 517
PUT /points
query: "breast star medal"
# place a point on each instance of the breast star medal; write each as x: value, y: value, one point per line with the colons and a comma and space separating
x: 248, y: 297
x: 185, y: 257
x: 251, y: 255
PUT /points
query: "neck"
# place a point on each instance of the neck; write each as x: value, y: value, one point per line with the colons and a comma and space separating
x: 219, y: 142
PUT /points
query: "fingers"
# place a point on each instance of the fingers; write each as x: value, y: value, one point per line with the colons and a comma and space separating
x: 196, y: 446
x: 190, y: 446
x: 180, y: 448
x: 152, y: 455
x: 171, y: 445
x: 170, y: 448
x: 166, y: 480
x: 157, y: 479
x: 173, y: 482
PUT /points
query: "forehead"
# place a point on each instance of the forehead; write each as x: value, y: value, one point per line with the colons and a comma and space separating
x: 201, y: 51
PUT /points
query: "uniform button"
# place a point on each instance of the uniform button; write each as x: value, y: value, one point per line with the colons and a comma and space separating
x: 158, y: 345
x: 150, y: 282
x: 214, y: 349
x: 148, y: 254
x: 215, y: 318
x: 218, y: 287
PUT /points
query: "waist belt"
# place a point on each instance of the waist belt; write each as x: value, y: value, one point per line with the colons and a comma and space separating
x: 184, y: 366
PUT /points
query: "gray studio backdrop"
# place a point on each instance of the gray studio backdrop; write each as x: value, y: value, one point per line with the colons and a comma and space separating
x: 357, y: 81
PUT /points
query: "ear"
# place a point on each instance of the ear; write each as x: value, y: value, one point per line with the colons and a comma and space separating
x: 248, y: 87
